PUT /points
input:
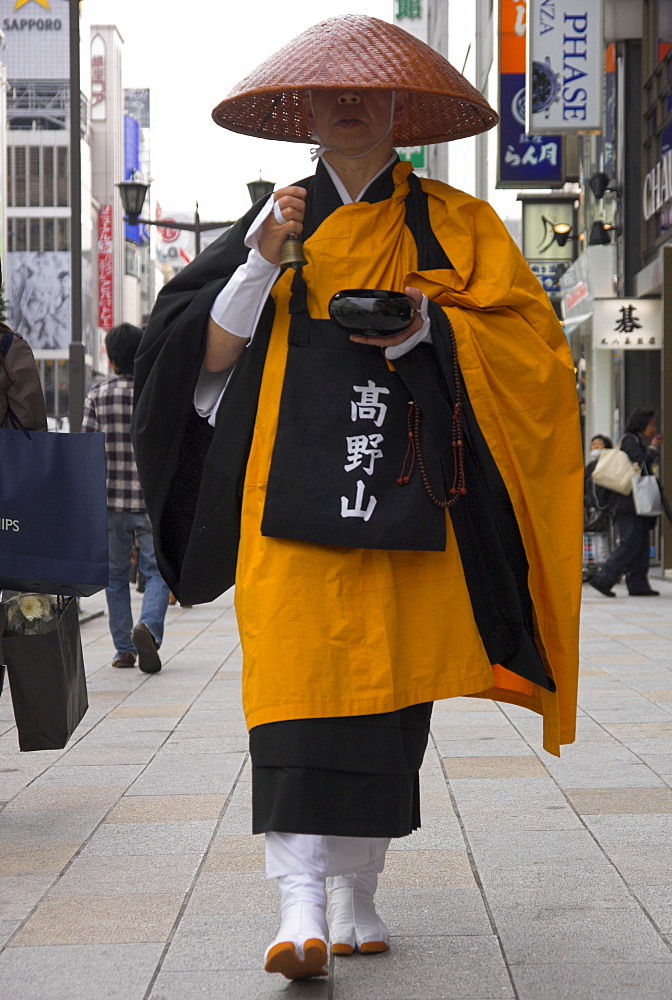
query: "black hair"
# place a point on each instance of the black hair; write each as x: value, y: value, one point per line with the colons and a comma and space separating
x: 606, y: 441
x: 639, y: 420
x: 121, y: 344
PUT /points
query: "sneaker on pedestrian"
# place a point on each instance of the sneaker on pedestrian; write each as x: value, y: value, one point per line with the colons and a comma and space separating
x: 124, y: 660
x: 147, y: 647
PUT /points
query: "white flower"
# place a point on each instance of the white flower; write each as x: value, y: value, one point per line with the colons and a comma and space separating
x: 34, y: 606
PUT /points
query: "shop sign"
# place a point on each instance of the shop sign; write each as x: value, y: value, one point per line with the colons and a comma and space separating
x: 657, y: 188
x: 565, y: 65
x: 628, y: 324
x: 105, y: 269
x: 98, y: 80
x: 414, y: 155
x: 524, y: 160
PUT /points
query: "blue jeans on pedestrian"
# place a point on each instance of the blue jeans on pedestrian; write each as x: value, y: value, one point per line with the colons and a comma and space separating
x: 122, y: 526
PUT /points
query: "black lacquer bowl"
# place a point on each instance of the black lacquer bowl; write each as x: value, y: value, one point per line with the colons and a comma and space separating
x: 372, y: 312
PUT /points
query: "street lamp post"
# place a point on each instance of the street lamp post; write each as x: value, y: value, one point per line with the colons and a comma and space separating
x: 134, y: 192
x: 76, y: 352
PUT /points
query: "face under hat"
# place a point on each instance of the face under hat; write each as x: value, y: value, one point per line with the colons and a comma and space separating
x: 363, y: 53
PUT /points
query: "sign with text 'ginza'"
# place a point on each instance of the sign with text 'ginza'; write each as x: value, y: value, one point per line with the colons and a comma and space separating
x: 628, y: 324
x: 565, y: 65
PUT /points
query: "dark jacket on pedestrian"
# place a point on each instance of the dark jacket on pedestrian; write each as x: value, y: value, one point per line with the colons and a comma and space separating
x: 20, y: 387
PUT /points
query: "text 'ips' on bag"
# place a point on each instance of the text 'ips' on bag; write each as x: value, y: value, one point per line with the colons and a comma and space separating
x: 53, y: 513
x: 614, y: 471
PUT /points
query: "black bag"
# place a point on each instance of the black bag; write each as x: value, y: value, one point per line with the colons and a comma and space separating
x: 53, y: 513
x: 47, y: 682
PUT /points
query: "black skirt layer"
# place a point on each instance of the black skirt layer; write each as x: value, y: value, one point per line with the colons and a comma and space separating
x: 349, y: 777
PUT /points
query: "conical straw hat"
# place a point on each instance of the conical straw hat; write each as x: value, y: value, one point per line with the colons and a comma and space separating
x: 366, y: 53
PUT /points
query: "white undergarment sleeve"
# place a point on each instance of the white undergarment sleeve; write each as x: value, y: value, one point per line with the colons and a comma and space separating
x: 209, y: 390
x: 239, y: 305
x: 423, y: 335
x: 308, y: 854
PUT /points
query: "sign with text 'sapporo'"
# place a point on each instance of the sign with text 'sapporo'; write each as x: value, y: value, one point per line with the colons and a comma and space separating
x: 565, y: 60
x: 628, y: 324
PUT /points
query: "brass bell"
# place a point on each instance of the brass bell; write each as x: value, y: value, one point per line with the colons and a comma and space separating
x: 291, y: 253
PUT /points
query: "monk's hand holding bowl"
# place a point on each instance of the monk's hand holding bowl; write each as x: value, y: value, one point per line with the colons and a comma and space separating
x: 398, y: 338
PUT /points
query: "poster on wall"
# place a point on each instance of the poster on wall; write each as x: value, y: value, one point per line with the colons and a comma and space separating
x: 38, y: 297
x: 524, y: 161
x: 564, y: 68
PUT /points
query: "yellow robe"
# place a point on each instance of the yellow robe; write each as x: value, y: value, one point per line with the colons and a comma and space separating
x: 331, y: 631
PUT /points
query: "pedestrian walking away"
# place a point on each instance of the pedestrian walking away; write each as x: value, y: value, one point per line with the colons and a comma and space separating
x: 631, y: 556
x: 401, y: 514
x: 108, y: 407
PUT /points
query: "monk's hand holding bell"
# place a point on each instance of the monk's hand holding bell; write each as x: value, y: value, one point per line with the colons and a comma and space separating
x: 290, y: 205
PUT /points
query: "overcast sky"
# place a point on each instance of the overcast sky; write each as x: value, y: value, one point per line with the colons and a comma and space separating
x: 190, y: 53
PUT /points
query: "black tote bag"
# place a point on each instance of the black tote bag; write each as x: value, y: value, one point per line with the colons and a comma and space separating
x: 47, y: 682
x: 53, y: 513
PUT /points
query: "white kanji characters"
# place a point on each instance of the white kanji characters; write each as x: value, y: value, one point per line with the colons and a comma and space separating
x: 358, y: 510
x: 369, y: 406
x: 361, y: 445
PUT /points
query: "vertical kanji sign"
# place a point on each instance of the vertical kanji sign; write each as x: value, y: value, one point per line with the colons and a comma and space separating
x: 105, y: 269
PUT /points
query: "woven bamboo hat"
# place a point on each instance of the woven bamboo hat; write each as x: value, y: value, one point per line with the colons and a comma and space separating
x: 366, y: 53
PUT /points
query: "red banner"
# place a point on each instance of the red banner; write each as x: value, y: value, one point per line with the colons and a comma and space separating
x: 105, y: 273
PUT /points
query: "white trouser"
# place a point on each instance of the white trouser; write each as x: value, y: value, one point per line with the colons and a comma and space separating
x: 308, y: 854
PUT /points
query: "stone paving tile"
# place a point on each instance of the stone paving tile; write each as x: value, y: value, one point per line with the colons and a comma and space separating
x: 427, y: 869
x: 83, y: 753
x: 148, y: 711
x: 642, y: 864
x: 493, y: 767
x: 105, y: 876
x: 189, y: 774
x: 647, y: 829
x: 618, y: 801
x: 49, y: 825
x: 484, y: 748
x: 234, y: 984
x: 50, y: 798
x: 115, y: 919
x: 20, y: 893
x: 594, y: 981
x: 578, y: 934
x: 438, y: 968
x: 221, y: 941
x: 657, y: 902
x: 28, y: 857
x: 166, y: 808
x: 118, y: 839
x: 90, y: 774
x: 459, y: 910
x: 107, y: 972
x: 219, y: 892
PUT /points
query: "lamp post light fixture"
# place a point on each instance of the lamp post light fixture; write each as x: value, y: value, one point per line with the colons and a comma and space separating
x: 133, y: 193
x: 562, y: 231
x: 260, y: 189
x: 600, y: 233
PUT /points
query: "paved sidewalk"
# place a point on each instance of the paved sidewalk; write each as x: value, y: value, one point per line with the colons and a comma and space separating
x: 127, y: 871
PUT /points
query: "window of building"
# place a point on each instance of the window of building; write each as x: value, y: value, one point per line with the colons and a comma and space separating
x: 47, y: 175
x: 62, y: 171
x: 19, y: 176
x: 31, y: 177
x: 38, y: 234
